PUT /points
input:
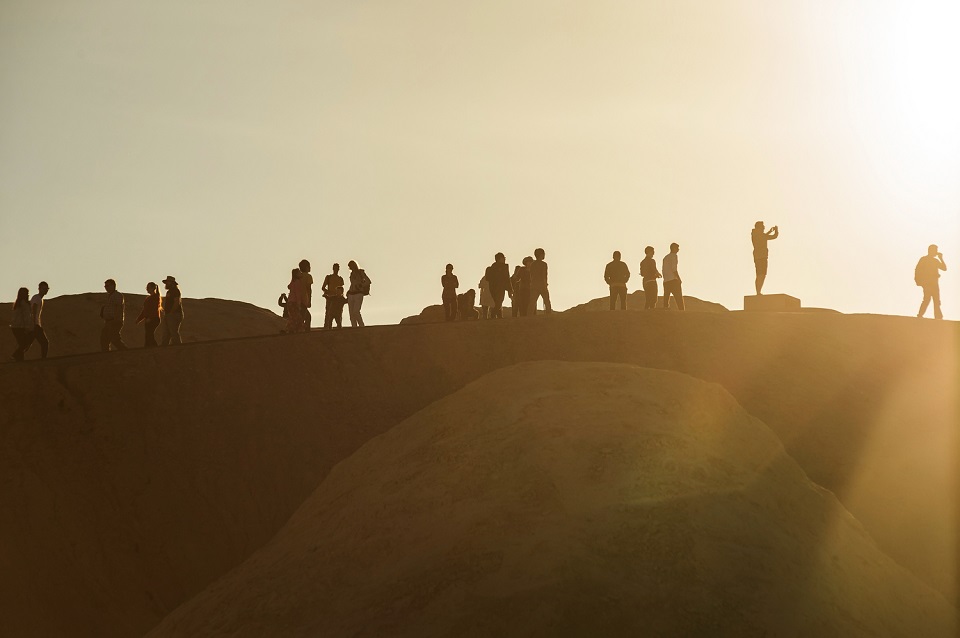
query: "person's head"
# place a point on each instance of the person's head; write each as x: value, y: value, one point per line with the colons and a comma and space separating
x: 516, y: 269
x: 109, y: 285
x: 539, y: 253
x: 758, y: 225
x: 527, y: 260
x: 152, y: 288
x: 674, y: 247
x: 43, y: 288
x: 352, y: 265
x: 616, y: 255
x: 295, y: 274
x: 336, y: 268
x: 648, y: 251
x: 500, y: 258
x: 449, y: 268
x: 23, y: 296
x: 169, y: 282
x: 304, y: 266
x: 933, y: 251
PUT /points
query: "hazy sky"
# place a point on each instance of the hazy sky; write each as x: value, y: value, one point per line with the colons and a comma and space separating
x: 221, y: 141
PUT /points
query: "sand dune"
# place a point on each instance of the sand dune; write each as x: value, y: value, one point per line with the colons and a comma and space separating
x: 636, y: 300
x: 563, y: 499
x: 72, y: 323
x: 131, y: 481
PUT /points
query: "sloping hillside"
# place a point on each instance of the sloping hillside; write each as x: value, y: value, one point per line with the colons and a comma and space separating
x: 570, y: 499
x: 131, y: 481
x: 72, y: 323
x: 637, y: 299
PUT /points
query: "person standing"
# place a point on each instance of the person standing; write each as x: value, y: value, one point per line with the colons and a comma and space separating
x: 521, y: 288
x: 649, y: 275
x: 617, y: 274
x: 21, y: 323
x: 672, y: 284
x: 450, y: 283
x: 294, y: 302
x: 150, y: 315
x: 359, y: 288
x: 927, y: 275
x: 332, y: 289
x: 36, y: 308
x: 172, y: 312
x: 306, y: 282
x: 760, y: 252
x: 498, y: 278
x: 486, y: 298
x: 112, y: 314
x: 538, y: 283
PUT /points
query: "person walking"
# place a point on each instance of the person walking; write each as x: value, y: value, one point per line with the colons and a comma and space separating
x: 486, y: 298
x: 498, y: 278
x: 649, y: 275
x: 150, y: 315
x: 538, y: 283
x: 332, y: 289
x: 617, y: 274
x: 36, y: 308
x: 294, y: 302
x: 671, y: 278
x: 927, y: 276
x: 112, y: 314
x: 760, y: 252
x: 359, y: 288
x: 449, y: 283
x: 21, y: 323
x: 172, y: 312
x: 306, y: 282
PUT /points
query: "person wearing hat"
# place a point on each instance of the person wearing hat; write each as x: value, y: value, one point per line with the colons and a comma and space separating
x: 172, y: 312
x: 112, y: 314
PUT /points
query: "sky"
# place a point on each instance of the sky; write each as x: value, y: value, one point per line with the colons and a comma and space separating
x: 221, y: 141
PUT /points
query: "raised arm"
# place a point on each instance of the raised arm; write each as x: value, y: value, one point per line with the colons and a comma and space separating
x: 774, y: 233
x: 942, y: 265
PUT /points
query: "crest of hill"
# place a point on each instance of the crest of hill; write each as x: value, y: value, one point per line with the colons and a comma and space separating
x: 72, y: 323
x: 588, y: 499
x: 637, y: 299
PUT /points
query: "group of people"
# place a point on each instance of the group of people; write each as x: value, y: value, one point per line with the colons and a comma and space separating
x: 298, y: 299
x: 27, y: 321
x: 525, y: 287
x: 617, y: 274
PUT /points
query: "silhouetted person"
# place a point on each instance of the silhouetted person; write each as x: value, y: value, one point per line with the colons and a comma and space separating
x: 927, y: 275
x: 112, y: 314
x: 672, y: 284
x: 359, y: 288
x: 21, y: 323
x: 538, y: 283
x: 521, y: 288
x: 498, y: 278
x: 649, y: 274
x: 306, y: 281
x: 150, y: 315
x: 486, y: 298
x: 449, y: 283
x: 36, y: 308
x: 617, y: 274
x: 332, y: 289
x: 760, y: 251
x: 295, y: 302
x: 172, y: 312
x: 466, y: 306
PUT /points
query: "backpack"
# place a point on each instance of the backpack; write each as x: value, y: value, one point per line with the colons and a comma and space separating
x: 918, y: 274
x: 364, y: 286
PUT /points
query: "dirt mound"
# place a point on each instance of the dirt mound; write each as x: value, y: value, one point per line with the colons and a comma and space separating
x: 131, y: 481
x: 637, y: 299
x: 553, y: 499
x: 72, y: 323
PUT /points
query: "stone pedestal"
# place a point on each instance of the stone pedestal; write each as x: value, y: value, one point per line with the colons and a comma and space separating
x: 771, y: 303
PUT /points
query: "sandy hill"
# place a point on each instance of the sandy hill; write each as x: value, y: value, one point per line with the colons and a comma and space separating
x: 570, y: 499
x: 72, y: 323
x: 637, y: 299
x: 131, y: 481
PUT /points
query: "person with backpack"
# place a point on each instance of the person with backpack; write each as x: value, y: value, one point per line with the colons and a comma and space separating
x: 21, y: 323
x: 649, y: 274
x: 448, y: 297
x: 617, y: 274
x: 112, y: 314
x: 927, y: 276
x: 359, y: 288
